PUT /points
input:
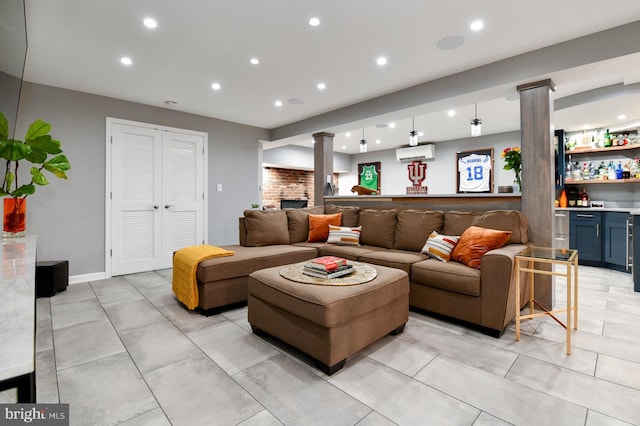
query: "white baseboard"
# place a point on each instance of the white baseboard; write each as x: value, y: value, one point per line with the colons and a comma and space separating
x: 77, y: 279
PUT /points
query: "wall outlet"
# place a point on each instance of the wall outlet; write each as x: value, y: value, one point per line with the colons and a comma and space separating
x: 219, y: 187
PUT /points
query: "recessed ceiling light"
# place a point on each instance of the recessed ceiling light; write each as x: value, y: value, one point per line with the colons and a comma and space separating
x: 622, y: 117
x: 314, y: 22
x: 381, y: 61
x: 392, y: 125
x: 150, y: 23
x: 449, y: 43
x: 215, y: 86
x: 126, y: 60
x: 451, y: 113
x: 421, y: 134
x: 586, y: 126
x: 378, y: 141
x: 322, y: 86
x: 348, y: 134
x: 278, y: 103
x: 344, y: 147
x: 254, y: 61
x: 476, y: 25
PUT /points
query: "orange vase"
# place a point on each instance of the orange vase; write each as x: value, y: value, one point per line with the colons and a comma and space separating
x: 15, y: 217
x: 563, y: 199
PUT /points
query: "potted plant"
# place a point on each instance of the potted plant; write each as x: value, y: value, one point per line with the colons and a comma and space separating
x: 39, y: 151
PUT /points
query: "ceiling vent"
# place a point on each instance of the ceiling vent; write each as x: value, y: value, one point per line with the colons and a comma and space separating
x: 420, y: 152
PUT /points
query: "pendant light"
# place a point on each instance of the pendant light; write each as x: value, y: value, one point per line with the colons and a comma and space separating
x: 413, y: 135
x: 476, y: 125
x: 363, y: 143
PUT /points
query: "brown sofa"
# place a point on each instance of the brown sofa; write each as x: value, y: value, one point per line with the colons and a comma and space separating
x: 394, y: 238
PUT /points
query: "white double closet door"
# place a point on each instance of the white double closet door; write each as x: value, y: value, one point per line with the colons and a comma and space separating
x: 157, y: 194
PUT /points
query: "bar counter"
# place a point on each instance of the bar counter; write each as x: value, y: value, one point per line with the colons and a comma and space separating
x: 442, y: 202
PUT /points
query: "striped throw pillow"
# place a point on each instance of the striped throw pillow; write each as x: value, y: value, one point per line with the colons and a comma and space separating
x: 440, y: 246
x: 344, y: 235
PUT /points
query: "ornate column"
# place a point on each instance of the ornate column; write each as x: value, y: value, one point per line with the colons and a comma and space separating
x: 322, y: 165
x: 538, y: 192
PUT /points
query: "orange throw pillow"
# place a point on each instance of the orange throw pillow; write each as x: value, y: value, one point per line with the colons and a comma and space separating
x: 319, y: 226
x: 475, y: 242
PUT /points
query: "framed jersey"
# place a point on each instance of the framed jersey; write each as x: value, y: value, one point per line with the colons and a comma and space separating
x: 369, y: 175
x: 475, y: 171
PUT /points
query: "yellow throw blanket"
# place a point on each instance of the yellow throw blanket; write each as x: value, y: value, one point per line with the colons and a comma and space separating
x: 185, y: 265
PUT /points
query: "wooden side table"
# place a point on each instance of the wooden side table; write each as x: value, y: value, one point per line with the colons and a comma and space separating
x: 529, y: 260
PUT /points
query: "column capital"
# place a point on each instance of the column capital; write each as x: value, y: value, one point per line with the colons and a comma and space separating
x: 322, y: 134
x: 537, y: 84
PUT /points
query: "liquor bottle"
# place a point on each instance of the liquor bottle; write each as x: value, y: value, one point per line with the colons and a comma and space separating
x: 619, y: 170
x: 568, y: 171
x: 592, y: 170
x: 563, y: 199
x: 584, y: 197
x: 585, y: 172
x: 612, y: 171
x: 607, y: 139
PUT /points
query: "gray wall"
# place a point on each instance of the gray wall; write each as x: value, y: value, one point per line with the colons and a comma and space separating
x: 301, y: 158
x: 441, y: 171
x: 69, y: 216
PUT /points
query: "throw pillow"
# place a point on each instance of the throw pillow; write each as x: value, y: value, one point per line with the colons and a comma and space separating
x: 344, y: 235
x: 266, y: 227
x: 440, y: 246
x: 475, y: 242
x: 319, y: 226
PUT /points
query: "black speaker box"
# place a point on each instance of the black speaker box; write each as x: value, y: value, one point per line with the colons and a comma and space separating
x: 51, y: 277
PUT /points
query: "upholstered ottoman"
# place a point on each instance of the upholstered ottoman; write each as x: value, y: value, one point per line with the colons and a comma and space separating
x: 328, y: 322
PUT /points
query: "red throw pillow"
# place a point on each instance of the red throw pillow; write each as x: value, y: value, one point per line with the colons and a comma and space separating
x: 475, y: 242
x: 319, y: 226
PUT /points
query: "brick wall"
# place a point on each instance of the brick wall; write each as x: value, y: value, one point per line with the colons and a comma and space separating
x: 278, y: 184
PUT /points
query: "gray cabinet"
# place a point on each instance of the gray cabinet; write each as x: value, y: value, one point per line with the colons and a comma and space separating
x: 586, y: 236
x: 617, y: 240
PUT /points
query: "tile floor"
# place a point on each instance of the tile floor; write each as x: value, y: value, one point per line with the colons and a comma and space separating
x: 122, y: 351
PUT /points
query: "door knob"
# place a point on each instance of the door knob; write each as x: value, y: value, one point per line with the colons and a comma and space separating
x: 155, y: 206
x: 168, y: 206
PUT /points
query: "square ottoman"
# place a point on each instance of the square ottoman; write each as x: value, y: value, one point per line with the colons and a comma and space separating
x: 327, y: 322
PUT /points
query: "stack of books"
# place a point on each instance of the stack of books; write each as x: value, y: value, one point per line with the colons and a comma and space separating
x: 327, y: 267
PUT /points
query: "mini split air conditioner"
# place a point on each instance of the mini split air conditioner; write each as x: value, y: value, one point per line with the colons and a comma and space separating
x: 420, y: 152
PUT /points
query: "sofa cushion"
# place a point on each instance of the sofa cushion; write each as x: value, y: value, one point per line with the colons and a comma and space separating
x: 378, y: 227
x: 399, y: 259
x: 348, y: 252
x: 450, y: 276
x: 249, y: 259
x: 349, y: 214
x: 414, y: 226
x: 266, y: 227
x: 456, y: 222
x: 344, y: 235
x: 505, y: 220
x: 319, y: 226
x: 298, y: 222
x: 440, y: 246
x: 475, y: 242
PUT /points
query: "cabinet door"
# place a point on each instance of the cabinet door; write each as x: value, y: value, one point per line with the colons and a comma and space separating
x: 586, y: 236
x: 616, y: 238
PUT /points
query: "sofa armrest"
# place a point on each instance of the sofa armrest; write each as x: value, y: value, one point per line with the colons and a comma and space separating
x: 242, y: 232
x: 497, y: 286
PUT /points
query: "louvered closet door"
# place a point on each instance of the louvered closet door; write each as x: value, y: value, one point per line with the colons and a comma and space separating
x: 136, y: 196
x: 157, y: 196
x: 183, y: 193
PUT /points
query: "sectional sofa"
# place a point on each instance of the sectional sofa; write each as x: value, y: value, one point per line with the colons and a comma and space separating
x: 478, y: 291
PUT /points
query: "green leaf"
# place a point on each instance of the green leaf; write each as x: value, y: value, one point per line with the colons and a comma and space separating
x: 24, y: 190
x: 13, y: 150
x: 38, y: 177
x: 3, y: 192
x: 46, y: 144
x: 59, y: 162
x: 38, y: 128
x: 36, y: 156
x: 4, y: 127
x: 10, y: 177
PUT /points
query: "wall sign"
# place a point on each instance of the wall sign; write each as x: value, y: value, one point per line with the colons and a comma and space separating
x: 417, y: 171
x: 475, y: 171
